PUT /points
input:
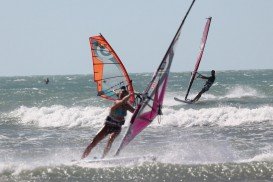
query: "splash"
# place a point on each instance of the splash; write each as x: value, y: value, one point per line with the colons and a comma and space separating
x: 261, y: 157
x: 241, y: 92
x: 220, y: 116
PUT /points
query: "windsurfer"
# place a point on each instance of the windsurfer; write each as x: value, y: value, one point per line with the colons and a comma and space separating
x: 113, y: 122
x: 46, y: 81
x: 208, y: 84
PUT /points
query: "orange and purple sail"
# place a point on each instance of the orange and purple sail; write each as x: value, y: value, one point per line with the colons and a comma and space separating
x: 202, y: 48
x: 109, y: 72
x: 153, y: 95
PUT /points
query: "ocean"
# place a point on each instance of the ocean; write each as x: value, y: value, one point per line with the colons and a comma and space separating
x: 226, y: 136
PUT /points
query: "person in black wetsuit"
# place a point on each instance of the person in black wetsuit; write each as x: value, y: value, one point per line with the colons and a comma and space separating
x: 113, y: 123
x: 207, y: 85
x: 46, y: 81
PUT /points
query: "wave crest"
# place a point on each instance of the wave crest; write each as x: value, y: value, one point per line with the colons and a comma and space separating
x: 61, y: 116
x: 221, y: 116
x: 57, y: 116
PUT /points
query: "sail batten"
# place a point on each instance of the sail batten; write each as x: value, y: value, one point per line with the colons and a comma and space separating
x: 153, y: 95
x: 111, y: 78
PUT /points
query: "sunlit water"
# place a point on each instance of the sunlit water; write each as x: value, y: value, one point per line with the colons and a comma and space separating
x: 226, y: 136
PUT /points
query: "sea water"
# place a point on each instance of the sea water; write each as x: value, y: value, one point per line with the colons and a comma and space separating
x: 226, y: 136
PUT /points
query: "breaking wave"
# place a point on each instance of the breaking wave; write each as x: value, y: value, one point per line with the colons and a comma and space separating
x: 62, y: 116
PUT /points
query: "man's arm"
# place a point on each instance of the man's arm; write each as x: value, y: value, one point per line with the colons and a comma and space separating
x: 202, y: 76
x: 130, y: 107
x: 120, y: 102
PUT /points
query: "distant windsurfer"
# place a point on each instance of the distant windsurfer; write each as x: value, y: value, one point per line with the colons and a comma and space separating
x: 46, y: 81
x: 208, y: 84
x: 113, y: 122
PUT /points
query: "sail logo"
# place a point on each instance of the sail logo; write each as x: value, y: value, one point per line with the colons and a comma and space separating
x: 103, y: 53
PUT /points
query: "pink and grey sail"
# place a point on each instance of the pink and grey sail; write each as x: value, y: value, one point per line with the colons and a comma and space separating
x: 153, y: 95
x: 202, y: 48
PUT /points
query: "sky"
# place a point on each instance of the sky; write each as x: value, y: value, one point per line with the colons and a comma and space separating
x: 50, y: 37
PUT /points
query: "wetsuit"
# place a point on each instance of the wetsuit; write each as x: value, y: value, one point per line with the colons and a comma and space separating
x: 208, y: 83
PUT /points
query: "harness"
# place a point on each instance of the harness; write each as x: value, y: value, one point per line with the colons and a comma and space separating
x: 208, y: 84
x: 111, y: 121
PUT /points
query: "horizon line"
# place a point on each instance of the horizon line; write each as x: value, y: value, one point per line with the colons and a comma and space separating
x: 259, y: 69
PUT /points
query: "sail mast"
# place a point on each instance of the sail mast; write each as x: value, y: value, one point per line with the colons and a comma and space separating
x: 153, y: 95
x: 174, y: 39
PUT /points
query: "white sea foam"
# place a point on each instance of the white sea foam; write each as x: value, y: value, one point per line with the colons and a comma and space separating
x: 236, y: 92
x: 222, y: 116
x: 2, y: 137
x: 19, y: 80
x: 169, y: 100
x: 260, y: 157
x: 198, y: 152
x: 61, y: 116
x: 246, y: 74
x: 242, y: 91
x: 58, y: 157
x: 56, y: 116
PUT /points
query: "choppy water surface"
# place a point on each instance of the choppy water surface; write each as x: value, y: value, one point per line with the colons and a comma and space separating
x: 227, y: 136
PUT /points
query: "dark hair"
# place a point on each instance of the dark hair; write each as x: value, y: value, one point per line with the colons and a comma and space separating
x: 123, y: 92
x: 122, y: 88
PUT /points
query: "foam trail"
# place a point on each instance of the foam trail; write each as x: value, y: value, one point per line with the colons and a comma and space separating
x: 242, y: 91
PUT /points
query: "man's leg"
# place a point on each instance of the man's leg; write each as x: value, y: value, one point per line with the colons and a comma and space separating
x: 197, y: 97
x: 102, y: 133
x: 199, y: 94
x: 107, y: 148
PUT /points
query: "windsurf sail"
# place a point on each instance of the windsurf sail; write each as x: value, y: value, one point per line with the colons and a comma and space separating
x: 202, y: 47
x: 109, y: 72
x: 153, y: 95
